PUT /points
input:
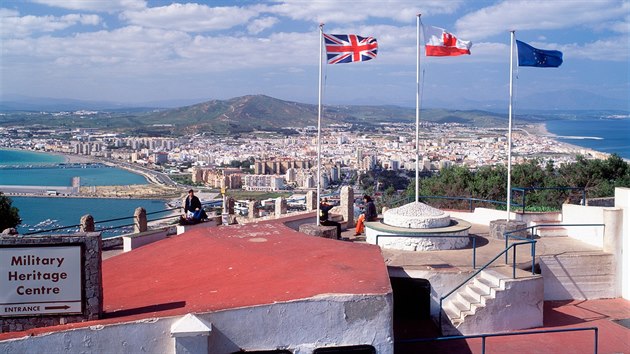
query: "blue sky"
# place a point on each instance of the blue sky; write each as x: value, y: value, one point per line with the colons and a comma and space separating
x: 134, y: 51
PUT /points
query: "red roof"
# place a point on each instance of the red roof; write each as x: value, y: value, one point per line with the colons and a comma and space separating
x: 218, y: 268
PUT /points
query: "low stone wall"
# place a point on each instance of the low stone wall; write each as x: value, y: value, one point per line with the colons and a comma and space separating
x: 601, y: 202
x: 498, y: 228
x: 320, y: 231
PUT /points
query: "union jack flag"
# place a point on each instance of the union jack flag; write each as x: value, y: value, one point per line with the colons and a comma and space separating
x: 347, y: 48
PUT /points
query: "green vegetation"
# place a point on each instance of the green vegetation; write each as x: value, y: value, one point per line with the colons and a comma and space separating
x: 185, y: 179
x: 9, y: 215
x: 598, y: 177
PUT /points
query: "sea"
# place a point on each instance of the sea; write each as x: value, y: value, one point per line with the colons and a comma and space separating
x: 609, y: 135
x: 41, y: 213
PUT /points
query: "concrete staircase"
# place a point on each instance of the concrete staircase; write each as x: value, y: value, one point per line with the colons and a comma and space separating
x: 494, y: 302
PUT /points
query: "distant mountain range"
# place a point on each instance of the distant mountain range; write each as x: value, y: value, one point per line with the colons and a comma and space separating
x: 252, y: 112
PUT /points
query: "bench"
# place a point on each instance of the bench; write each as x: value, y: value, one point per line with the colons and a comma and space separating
x: 131, y: 242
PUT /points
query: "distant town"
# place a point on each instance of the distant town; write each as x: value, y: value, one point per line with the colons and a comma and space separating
x: 268, y: 161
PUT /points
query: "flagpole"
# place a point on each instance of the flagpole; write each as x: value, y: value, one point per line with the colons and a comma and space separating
x: 418, y: 107
x: 319, y: 122
x: 509, y: 171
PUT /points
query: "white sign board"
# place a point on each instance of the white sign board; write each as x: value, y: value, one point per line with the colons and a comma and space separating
x: 40, y: 280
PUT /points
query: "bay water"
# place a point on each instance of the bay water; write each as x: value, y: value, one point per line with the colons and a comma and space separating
x: 41, y: 213
x: 609, y: 135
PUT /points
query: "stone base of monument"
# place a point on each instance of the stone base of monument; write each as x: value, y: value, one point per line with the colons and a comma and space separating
x: 319, y: 231
x: 453, y: 236
x: 499, y: 227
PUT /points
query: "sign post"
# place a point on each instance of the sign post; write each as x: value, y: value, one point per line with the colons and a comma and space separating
x: 41, y: 280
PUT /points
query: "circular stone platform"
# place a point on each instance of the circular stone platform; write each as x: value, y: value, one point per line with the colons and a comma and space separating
x: 416, y: 215
x: 415, y: 239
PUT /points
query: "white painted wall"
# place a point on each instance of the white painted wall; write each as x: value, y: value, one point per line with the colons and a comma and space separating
x: 578, y: 214
x: 300, y: 326
x: 622, y: 200
x: 519, y: 305
x: 417, y: 243
x: 481, y: 216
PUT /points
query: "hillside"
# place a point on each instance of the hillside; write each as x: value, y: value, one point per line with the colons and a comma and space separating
x: 259, y: 112
x: 243, y: 114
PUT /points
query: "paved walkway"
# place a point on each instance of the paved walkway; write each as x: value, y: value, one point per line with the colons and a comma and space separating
x: 605, y: 314
x: 486, y: 249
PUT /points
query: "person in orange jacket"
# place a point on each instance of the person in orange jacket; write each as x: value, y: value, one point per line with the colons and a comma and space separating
x: 369, y: 214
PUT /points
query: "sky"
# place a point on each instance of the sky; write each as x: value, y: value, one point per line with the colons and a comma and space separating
x: 136, y: 51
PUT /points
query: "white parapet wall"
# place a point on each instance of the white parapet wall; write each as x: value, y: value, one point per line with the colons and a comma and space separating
x: 131, y: 242
x: 481, y: 216
x: 622, y: 201
x: 299, y: 326
x: 581, y: 215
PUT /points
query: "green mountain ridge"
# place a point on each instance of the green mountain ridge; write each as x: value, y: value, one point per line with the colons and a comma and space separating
x: 249, y: 113
x: 260, y: 112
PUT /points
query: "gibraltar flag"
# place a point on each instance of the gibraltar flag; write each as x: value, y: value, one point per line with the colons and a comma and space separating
x: 440, y: 43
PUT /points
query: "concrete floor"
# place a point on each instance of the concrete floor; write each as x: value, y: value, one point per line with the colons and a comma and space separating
x: 603, y: 314
x: 486, y: 249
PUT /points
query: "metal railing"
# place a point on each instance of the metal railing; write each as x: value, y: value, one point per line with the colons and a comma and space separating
x: 524, y: 191
x: 484, y: 336
x: 484, y: 267
x: 472, y: 238
x: 113, y: 227
x: 532, y: 233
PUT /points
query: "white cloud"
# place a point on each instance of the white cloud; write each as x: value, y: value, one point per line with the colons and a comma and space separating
x: 523, y: 15
x: 613, y: 49
x: 190, y: 17
x: 14, y: 25
x: 95, y: 5
x: 136, y: 50
x: 353, y: 11
x: 261, y: 24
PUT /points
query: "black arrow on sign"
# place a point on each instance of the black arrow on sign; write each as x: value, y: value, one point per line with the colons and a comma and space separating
x: 64, y: 307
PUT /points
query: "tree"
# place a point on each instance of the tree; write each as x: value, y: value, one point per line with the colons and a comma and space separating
x: 9, y: 216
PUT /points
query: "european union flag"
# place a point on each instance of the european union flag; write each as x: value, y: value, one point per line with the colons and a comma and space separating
x: 530, y: 56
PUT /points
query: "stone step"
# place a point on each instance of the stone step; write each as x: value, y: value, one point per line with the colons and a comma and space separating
x: 486, y: 286
x: 550, y: 231
x: 468, y: 299
x: 478, y: 294
x: 457, y: 308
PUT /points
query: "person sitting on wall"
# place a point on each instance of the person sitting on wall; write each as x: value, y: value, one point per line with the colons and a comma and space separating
x: 324, y: 208
x: 193, y: 211
x: 369, y: 214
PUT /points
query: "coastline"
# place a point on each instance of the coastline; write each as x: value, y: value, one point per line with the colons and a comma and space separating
x: 540, y: 129
x: 155, y: 189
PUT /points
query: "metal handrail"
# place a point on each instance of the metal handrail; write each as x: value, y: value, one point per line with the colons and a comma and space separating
x: 472, y: 238
x: 508, y: 234
x: 484, y: 336
x: 483, y: 268
x: 109, y: 220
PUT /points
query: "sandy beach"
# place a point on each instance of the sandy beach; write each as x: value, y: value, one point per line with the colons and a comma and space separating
x: 540, y: 129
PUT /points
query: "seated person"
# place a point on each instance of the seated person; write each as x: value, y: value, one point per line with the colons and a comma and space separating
x: 369, y: 214
x: 324, y: 208
x: 193, y: 210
